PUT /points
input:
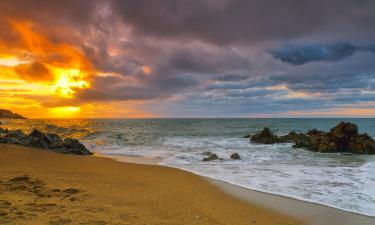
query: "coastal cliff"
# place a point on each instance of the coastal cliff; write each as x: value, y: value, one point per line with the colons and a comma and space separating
x: 7, y: 114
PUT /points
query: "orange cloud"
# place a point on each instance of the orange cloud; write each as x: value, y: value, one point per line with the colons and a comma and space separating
x: 60, y: 66
x: 34, y: 72
x: 42, y: 68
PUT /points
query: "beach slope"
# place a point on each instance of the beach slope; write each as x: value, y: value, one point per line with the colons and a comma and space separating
x: 41, y: 187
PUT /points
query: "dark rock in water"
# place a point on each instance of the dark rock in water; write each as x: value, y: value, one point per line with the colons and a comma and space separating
x: 3, y: 131
x: 265, y: 136
x: 338, y: 139
x: 362, y: 144
x: 344, y: 137
x: 235, y: 156
x: 342, y: 134
x: 315, y: 132
x: 212, y: 157
x: 247, y: 136
x: 39, y: 139
x: 7, y: 114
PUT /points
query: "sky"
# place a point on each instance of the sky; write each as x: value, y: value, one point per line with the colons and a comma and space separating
x: 178, y: 58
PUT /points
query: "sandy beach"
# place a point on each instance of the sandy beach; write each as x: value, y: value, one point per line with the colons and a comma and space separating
x: 42, y: 187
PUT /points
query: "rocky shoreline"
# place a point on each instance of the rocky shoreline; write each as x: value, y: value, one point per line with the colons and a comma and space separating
x: 39, y: 139
x: 344, y: 137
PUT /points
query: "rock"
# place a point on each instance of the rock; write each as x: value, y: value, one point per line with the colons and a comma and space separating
x: 15, y: 137
x: 39, y: 139
x: 3, y: 131
x: 315, y: 132
x: 265, y: 136
x: 362, y: 144
x: 7, y: 114
x: 212, y: 157
x: 15, y: 134
x: 345, y: 129
x: 235, y: 156
x: 344, y: 137
x: 56, y: 141
x: 73, y: 146
x: 342, y: 134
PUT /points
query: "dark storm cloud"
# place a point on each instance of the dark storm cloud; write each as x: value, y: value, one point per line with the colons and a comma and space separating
x: 231, y: 77
x: 298, y: 55
x: 44, y: 11
x: 301, y: 54
x: 118, y: 88
x: 246, y: 21
x: 206, y: 61
x: 356, y: 72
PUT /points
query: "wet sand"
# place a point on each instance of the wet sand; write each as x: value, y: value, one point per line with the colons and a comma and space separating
x: 42, y: 187
x: 310, y: 213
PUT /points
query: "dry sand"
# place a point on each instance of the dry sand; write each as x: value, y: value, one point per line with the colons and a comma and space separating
x: 41, y: 187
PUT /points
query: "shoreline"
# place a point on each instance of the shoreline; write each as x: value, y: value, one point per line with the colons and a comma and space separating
x: 43, y: 187
x: 320, y: 213
x: 311, y: 212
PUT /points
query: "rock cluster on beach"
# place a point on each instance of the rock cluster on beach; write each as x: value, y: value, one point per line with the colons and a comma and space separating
x: 344, y: 137
x: 38, y: 139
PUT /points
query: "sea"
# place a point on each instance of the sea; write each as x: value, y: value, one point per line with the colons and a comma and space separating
x: 343, y: 181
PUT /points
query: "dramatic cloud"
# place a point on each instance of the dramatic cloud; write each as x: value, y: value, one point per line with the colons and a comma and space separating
x: 187, y: 58
x: 247, y: 22
x: 33, y: 72
x: 232, y: 77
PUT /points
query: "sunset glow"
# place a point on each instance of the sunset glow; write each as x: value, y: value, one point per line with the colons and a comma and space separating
x: 64, y: 112
x: 68, y: 79
x: 44, y: 69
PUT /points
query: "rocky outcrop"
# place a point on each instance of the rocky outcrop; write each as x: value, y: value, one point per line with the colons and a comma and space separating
x: 265, y: 136
x: 235, y: 156
x: 3, y: 131
x: 7, y: 114
x: 38, y: 139
x: 344, y: 137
